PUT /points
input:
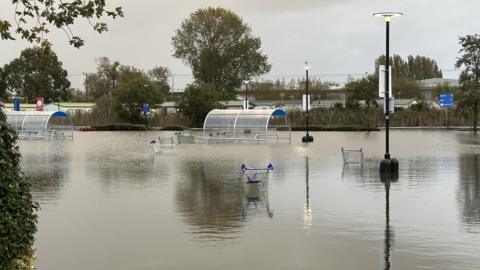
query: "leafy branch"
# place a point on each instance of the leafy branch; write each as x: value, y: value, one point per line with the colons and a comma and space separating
x: 32, y: 18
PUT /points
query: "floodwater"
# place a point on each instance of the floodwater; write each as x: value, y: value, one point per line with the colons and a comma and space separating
x: 108, y: 202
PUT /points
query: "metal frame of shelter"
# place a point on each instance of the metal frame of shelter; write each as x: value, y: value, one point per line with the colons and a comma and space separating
x: 39, y: 125
x: 269, y: 125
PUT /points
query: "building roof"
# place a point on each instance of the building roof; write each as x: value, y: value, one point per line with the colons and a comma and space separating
x: 434, y: 82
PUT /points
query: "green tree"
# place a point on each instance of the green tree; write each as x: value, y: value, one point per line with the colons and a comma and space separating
x: 160, y: 76
x: 413, y: 68
x: 36, y: 73
x: 3, y: 85
x: 32, y: 18
x: 365, y: 89
x: 17, y: 210
x: 132, y: 95
x: 220, y: 48
x: 103, y: 82
x: 111, y: 75
x: 197, y: 101
x: 130, y: 73
x: 469, y: 79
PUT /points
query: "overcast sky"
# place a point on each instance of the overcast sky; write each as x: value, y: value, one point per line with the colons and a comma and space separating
x: 334, y: 36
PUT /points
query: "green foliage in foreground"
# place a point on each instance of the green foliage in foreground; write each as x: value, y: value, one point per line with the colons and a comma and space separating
x: 17, y: 210
x: 33, y: 18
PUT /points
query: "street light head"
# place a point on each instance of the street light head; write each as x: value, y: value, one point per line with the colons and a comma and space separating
x: 246, y: 81
x: 387, y: 15
x: 306, y: 66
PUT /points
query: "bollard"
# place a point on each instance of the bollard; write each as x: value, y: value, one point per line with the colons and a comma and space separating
x: 394, y: 165
x: 385, y: 166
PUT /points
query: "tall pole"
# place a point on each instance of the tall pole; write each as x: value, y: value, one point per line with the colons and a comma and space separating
x: 173, y: 85
x: 306, y: 98
x: 387, y: 89
x: 387, y: 165
x: 307, y: 138
x: 246, y: 95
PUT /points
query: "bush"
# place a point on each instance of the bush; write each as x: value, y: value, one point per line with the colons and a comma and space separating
x: 17, y: 210
x: 174, y: 128
x: 120, y: 127
x: 335, y: 128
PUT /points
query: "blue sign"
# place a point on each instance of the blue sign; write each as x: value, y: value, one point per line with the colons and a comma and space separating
x: 145, y: 109
x: 447, y: 100
x: 16, y: 104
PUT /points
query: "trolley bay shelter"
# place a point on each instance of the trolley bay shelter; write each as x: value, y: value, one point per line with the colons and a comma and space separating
x: 40, y: 125
x: 247, y: 125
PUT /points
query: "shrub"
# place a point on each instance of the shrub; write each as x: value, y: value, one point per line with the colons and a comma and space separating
x: 17, y: 210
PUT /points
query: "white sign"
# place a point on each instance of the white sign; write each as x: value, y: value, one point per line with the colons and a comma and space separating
x: 304, y: 102
x: 381, y: 81
x: 391, y: 105
x: 245, y: 104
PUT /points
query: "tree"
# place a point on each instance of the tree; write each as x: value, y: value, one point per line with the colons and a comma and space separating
x: 160, y: 76
x: 132, y: 95
x: 3, y: 85
x: 414, y: 68
x: 220, y: 48
x: 365, y: 89
x: 36, y: 73
x: 32, y: 18
x: 110, y: 76
x: 469, y: 79
x: 17, y: 210
x: 104, y: 81
x: 197, y: 101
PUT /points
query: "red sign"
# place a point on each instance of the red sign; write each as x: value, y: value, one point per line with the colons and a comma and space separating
x: 39, y: 104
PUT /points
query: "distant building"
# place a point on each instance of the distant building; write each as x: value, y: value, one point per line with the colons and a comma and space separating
x: 167, y: 107
x: 428, y: 86
x: 327, y: 103
x: 405, y: 103
x: 434, y: 82
x: 63, y: 106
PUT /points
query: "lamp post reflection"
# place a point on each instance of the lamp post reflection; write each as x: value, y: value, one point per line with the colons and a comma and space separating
x: 307, y: 211
x: 387, y: 179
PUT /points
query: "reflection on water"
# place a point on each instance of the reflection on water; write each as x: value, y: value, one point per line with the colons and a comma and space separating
x: 468, y: 193
x: 387, y: 179
x: 46, y: 167
x: 255, y: 200
x: 307, y: 211
x: 116, y: 205
x: 210, y: 199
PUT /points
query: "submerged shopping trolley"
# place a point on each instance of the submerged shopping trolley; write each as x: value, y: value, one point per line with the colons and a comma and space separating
x: 255, y: 175
x: 353, y: 155
x: 163, y: 145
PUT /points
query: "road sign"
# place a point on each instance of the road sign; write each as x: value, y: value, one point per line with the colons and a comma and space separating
x: 447, y: 100
x: 145, y: 108
x: 39, y: 104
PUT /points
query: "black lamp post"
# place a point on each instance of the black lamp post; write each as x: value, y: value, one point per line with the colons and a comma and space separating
x: 307, y: 138
x: 387, y: 164
x: 246, y: 93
